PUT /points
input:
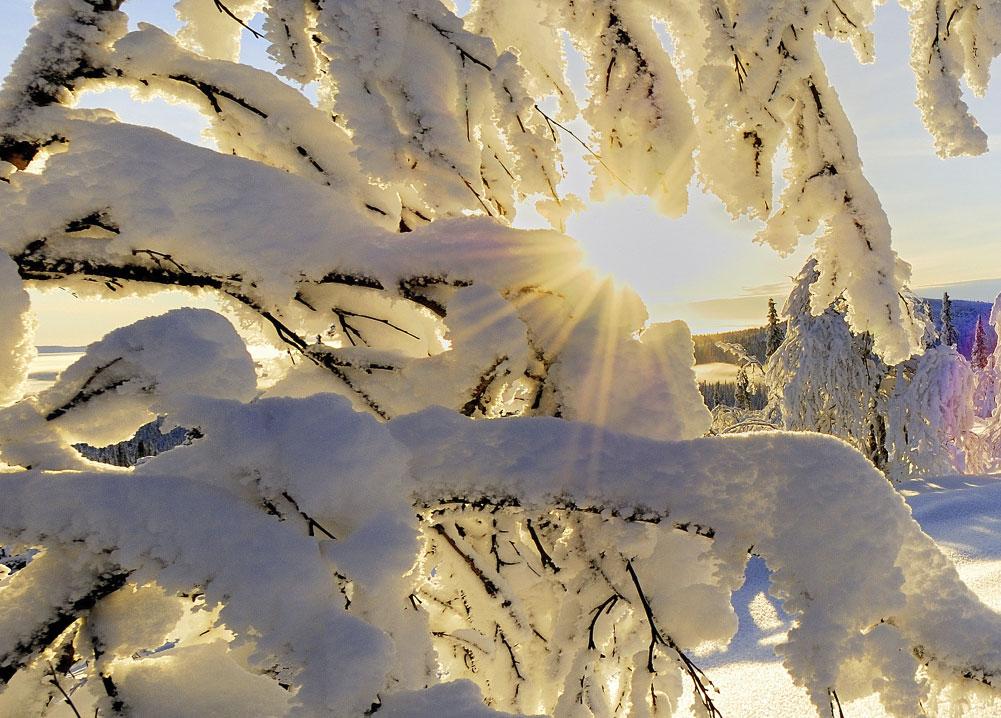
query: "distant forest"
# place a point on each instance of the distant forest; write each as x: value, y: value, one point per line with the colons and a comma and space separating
x: 754, y: 341
x: 964, y: 317
x: 722, y: 392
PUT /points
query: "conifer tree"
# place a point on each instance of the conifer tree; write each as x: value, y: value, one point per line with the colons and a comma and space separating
x: 980, y: 354
x: 949, y: 336
x: 907, y: 418
x: 775, y: 332
x: 741, y: 398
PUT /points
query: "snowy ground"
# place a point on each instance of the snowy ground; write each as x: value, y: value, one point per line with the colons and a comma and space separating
x: 723, y: 372
x: 962, y: 513
x: 716, y: 371
x: 47, y: 364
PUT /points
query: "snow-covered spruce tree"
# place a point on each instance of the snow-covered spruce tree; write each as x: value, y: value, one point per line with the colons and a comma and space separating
x: 984, y: 365
x: 775, y: 331
x: 948, y: 331
x: 980, y: 354
x: 985, y: 400
x: 365, y: 529
x: 741, y: 400
x: 929, y: 414
x: 909, y: 418
x: 985, y: 390
x: 825, y: 378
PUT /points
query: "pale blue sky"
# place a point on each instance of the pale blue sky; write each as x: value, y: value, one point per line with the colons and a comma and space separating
x: 704, y: 268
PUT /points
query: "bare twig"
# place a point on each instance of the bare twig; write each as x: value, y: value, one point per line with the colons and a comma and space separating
x: 606, y: 607
x: 313, y: 523
x: 226, y: 11
x: 489, y: 586
x: 348, y: 329
x: 494, y: 550
x: 583, y: 144
x: 547, y: 560
x: 498, y: 633
x: 835, y: 703
x: 699, y: 679
x: 54, y: 680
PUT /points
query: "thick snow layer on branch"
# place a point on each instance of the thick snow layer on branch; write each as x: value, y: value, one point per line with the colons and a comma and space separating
x: 16, y: 332
x: 840, y: 580
x: 70, y: 39
x: 137, y: 370
x: 254, y: 115
x: 530, y: 301
x: 124, y: 381
x: 603, y: 385
x: 291, y: 445
x: 166, y: 196
x: 871, y: 598
x: 184, y: 534
x: 287, y: 25
x: 952, y: 42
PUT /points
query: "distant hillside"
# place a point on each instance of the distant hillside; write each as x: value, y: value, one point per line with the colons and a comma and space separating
x: 979, y: 290
x: 754, y: 340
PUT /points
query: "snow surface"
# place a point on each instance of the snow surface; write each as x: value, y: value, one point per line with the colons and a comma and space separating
x: 960, y: 512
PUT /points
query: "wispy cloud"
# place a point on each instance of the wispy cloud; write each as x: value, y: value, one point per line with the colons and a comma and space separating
x: 772, y: 289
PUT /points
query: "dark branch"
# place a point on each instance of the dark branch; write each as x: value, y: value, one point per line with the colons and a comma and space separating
x: 94, y: 219
x: 477, y: 401
x: 699, y: 679
x: 54, y: 680
x: 225, y: 10
x: 44, y: 635
x: 349, y: 329
x: 489, y: 586
x: 547, y: 560
x: 83, y: 395
x: 835, y: 704
x: 447, y: 34
x: 313, y: 523
x: 606, y: 607
x: 211, y: 92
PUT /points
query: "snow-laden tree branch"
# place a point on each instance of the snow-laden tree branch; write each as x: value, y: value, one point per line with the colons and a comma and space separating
x: 423, y: 114
x: 555, y: 531
x: 526, y: 540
